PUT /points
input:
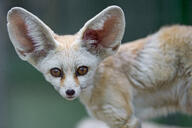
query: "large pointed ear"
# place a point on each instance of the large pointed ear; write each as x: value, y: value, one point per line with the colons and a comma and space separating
x: 31, y: 38
x: 102, y: 34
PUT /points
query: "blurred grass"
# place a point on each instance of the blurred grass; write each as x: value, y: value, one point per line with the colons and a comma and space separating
x: 176, y: 119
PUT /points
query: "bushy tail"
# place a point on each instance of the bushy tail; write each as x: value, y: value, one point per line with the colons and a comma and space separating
x: 92, y: 123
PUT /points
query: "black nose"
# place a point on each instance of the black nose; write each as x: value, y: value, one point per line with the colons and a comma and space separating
x: 70, y: 92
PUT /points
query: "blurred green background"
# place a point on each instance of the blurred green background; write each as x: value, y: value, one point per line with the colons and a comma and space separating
x: 28, y: 101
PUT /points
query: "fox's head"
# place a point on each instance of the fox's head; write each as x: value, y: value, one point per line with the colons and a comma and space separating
x: 68, y: 62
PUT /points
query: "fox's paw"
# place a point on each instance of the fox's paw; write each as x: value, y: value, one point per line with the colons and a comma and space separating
x: 133, y: 123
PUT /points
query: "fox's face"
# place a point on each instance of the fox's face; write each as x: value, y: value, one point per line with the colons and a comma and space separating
x: 68, y: 62
x: 69, y: 68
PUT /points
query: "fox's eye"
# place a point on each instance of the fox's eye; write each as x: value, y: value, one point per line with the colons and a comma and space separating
x: 82, y: 70
x: 56, y: 72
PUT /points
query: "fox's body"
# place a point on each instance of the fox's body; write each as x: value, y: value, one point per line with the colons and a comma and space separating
x: 151, y: 76
x: 145, y: 78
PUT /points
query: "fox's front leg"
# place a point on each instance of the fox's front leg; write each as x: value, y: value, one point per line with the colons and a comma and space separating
x: 118, y: 117
x: 115, y: 107
x: 114, y: 104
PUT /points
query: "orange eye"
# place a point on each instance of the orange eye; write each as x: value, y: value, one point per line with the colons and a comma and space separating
x: 56, y: 72
x: 82, y: 70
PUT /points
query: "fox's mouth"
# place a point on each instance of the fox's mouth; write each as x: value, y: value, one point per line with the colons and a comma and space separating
x: 70, y: 97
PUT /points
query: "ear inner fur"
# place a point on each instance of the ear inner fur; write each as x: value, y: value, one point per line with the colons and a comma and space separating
x: 20, y: 29
x: 102, y: 34
x: 31, y: 38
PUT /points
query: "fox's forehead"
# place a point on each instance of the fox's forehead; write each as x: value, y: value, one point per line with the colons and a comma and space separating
x: 68, y: 55
x: 67, y: 42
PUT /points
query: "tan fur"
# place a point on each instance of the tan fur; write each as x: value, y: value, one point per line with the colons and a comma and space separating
x: 76, y: 80
x: 66, y: 42
x: 62, y: 80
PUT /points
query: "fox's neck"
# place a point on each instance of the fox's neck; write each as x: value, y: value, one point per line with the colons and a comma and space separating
x: 125, y: 56
x: 86, y: 94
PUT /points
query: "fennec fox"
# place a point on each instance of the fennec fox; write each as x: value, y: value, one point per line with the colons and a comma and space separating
x: 145, y: 78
